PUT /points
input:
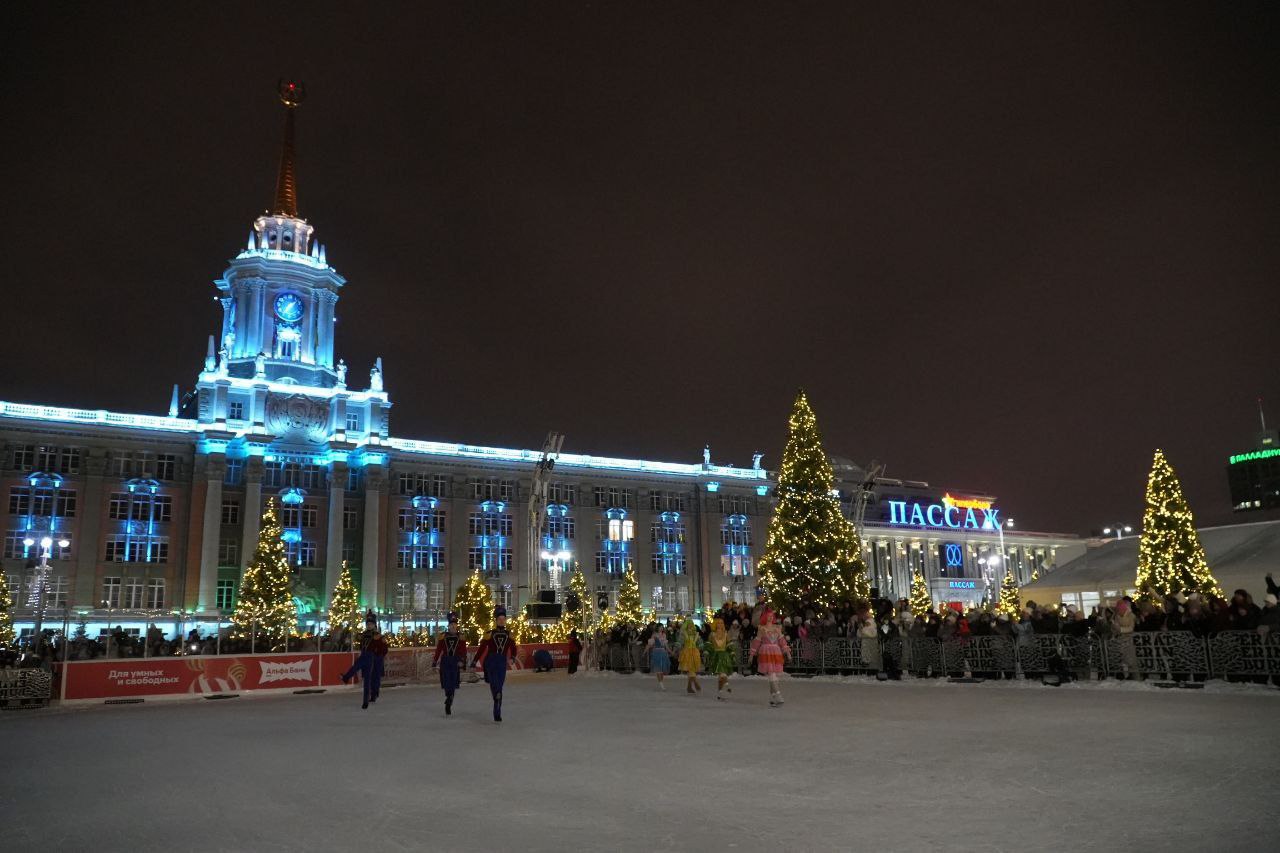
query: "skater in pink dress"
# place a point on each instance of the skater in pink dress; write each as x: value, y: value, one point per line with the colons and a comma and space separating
x: 769, y: 649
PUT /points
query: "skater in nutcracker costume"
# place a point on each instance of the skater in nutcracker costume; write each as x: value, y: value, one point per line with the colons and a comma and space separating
x: 496, y: 650
x: 451, y: 658
x: 659, y: 651
x: 368, y: 664
x: 769, y: 649
x: 690, y: 654
x: 722, y: 657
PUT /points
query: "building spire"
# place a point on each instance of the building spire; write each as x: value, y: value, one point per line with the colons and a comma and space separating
x: 286, y: 204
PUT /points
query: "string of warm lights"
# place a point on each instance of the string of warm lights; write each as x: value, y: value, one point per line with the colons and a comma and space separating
x: 474, y: 603
x: 813, y: 554
x: 1170, y: 557
x: 266, y: 588
x: 344, y: 605
x: 7, y: 636
x: 921, y: 602
x: 1009, y: 603
x: 628, y: 611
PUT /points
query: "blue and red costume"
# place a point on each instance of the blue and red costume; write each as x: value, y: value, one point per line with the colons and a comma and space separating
x: 498, y: 648
x: 451, y: 657
x: 369, y: 666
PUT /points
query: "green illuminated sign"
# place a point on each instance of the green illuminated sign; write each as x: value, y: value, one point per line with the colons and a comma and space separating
x: 1257, y: 454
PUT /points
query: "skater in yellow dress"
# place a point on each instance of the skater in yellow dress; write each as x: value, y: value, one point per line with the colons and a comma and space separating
x: 690, y: 655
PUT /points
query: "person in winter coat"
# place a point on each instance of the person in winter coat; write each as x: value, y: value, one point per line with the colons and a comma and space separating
x: 575, y: 651
x: 1243, y: 613
x: 1269, y: 618
x: 451, y: 658
x: 1123, y: 624
x: 368, y: 665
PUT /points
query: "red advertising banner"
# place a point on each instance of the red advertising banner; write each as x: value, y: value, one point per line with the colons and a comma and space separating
x: 200, y: 675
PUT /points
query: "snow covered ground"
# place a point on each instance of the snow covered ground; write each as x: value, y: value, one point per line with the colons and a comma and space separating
x: 607, y: 762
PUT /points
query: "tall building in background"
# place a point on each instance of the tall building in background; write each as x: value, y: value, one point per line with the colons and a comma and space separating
x: 1254, y: 475
x: 161, y: 513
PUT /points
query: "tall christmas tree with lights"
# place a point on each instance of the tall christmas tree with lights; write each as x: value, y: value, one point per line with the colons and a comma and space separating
x: 1170, y: 556
x: 474, y: 603
x: 344, y: 605
x: 1009, y: 603
x: 6, y: 619
x: 921, y: 603
x: 266, y: 588
x: 575, y: 618
x: 813, y: 554
x: 628, y: 611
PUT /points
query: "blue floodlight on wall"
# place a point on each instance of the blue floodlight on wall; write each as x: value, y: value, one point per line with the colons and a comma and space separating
x: 762, y: 490
x: 713, y: 487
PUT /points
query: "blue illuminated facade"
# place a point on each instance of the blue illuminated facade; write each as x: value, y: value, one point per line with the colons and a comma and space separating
x: 162, y: 512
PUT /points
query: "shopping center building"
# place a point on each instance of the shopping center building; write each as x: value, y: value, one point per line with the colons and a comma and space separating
x: 151, y: 518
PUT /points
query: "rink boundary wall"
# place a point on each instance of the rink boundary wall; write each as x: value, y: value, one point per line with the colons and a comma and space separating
x: 205, y: 675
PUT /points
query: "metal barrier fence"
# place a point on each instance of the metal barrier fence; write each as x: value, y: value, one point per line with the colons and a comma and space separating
x: 25, y: 688
x: 1173, y: 655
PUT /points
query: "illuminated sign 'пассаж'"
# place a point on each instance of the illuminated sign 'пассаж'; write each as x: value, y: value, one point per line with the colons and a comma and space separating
x: 951, y: 513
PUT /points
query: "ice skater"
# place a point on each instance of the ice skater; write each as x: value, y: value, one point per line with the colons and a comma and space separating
x: 659, y: 655
x: 768, y: 649
x: 496, y: 649
x: 451, y: 657
x: 690, y: 655
x: 722, y: 657
x: 369, y: 664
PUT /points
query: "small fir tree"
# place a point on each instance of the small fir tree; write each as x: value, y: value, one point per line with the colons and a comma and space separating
x: 1170, y: 556
x: 7, y: 636
x: 575, y: 619
x: 921, y: 602
x: 344, y: 605
x: 628, y: 610
x: 1009, y: 602
x: 474, y: 603
x: 266, y: 589
x: 813, y: 553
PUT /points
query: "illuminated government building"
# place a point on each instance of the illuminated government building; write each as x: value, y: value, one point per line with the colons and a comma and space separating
x: 160, y: 513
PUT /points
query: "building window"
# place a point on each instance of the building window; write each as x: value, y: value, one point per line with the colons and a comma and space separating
x: 412, y: 556
x: 161, y: 508
x: 620, y: 530
x: 492, y: 489
x: 54, y: 592
x: 353, y: 421
x: 669, y: 564
x: 15, y: 547
x: 350, y: 518
x: 132, y: 599
x: 301, y: 554
x: 734, y: 504
x: 228, y: 552
x: 562, y: 493
x: 111, y: 592
x: 126, y: 548
x: 489, y: 559
x: 420, y: 519
x: 489, y: 524
x: 613, y: 562
x: 614, y: 497
x: 355, y: 479
x: 117, y: 507
x: 235, y: 410
x: 155, y: 593
x: 281, y: 473
x: 666, y: 501
x: 735, y: 565
x: 166, y: 466
x: 436, y: 599
x: 349, y: 553
x: 23, y: 457
x: 19, y: 500
x: 234, y: 475
x: 226, y: 595
x: 309, y: 515
x: 230, y: 511
x: 735, y: 531
x: 558, y: 526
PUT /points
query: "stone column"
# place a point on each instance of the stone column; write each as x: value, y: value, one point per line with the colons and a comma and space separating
x: 375, y: 483
x: 215, y: 470
x: 87, y: 543
x: 252, y: 508
x: 333, y: 549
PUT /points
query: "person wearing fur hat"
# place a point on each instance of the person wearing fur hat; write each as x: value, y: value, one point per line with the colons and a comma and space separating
x: 690, y: 654
x: 722, y: 656
x: 575, y: 651
x: 768, y: 649
x: 497, y: 648
x: 369, y: 664
x: 451, y: 657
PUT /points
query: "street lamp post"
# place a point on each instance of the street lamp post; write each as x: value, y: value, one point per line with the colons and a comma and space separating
x: 42, y: 579
x: 1119, y: 530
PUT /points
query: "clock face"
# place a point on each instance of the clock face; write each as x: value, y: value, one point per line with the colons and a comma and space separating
x: 289, y: 307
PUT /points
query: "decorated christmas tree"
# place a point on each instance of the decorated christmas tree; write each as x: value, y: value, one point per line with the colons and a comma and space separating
x: 628, y: 610
x: 474, y: 603
x: 6, y: 619
x: 813, y: 554
x: 575, y: 618
x: 921, y: 603
x: 1009, y: 603
x: 344, y: 606
x: 1170, y: 556
x: 266, y: 589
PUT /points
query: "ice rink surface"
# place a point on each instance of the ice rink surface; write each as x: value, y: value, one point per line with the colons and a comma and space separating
x: 608, y: 762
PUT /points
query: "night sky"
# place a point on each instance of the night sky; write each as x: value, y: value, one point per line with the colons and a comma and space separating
x: 1005, y: 247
